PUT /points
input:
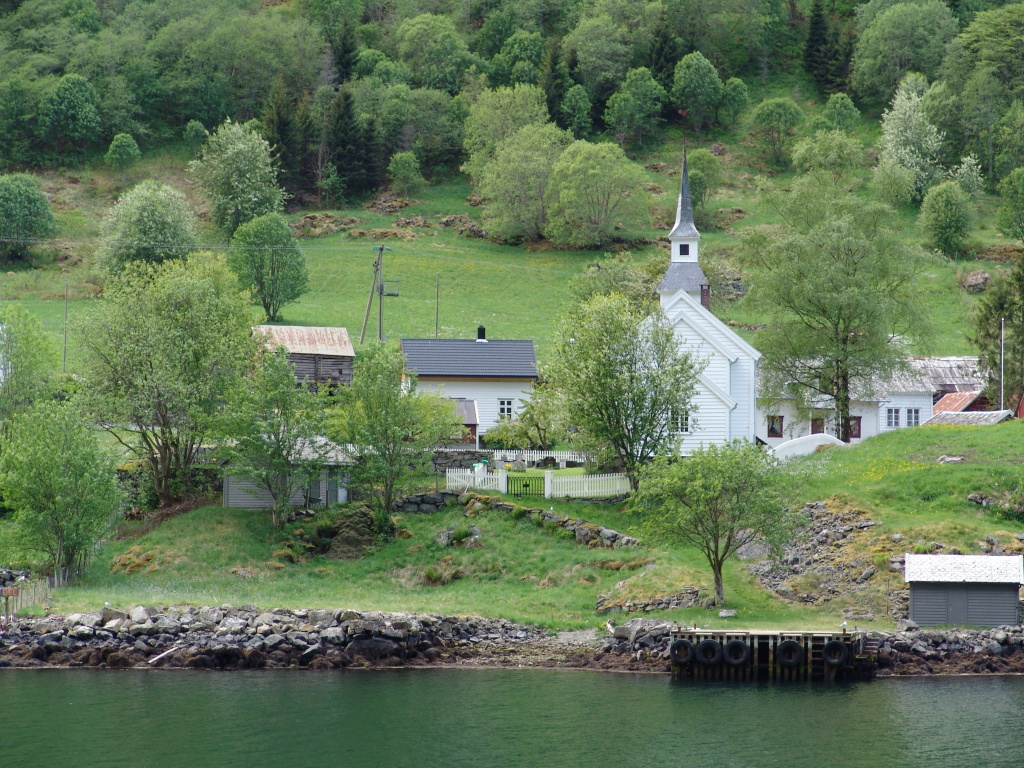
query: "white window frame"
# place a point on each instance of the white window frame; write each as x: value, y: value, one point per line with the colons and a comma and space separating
x: 506, y: 408
x: 892, y: 418
x: 913, y: 417
x: 679, y: 423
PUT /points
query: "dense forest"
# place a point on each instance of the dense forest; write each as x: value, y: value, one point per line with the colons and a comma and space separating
x: 340, y: 86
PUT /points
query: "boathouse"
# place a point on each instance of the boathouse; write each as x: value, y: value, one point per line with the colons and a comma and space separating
x: 972, y: 590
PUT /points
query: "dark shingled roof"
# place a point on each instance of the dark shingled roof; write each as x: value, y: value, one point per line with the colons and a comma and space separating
x: 684, y: 226
x: 682, y: 276
x: 491, y: 359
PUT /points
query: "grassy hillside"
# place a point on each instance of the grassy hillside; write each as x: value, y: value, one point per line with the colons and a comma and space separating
x: 516, y: 291
x: 528, y: 573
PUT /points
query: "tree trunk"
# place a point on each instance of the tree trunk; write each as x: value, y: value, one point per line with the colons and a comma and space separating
x: 719, y: 587
x: 842, y: 400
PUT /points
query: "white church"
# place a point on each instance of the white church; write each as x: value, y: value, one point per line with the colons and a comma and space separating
x: 726, y: 397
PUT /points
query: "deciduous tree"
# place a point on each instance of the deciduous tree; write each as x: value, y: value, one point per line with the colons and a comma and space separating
x: 273, y: 431
x: 26, y: 359
x: 25, y: 215
x: 772, y: 121
x: 840, y: 290
x: 908, y: 139
x: 60, y: 483
x: 404, y: 173
x: 947, y: 215
x: 719, y: 499
x: 696, y: 89
x: 515, y: 184
x: 160, y: 349
x: 69, y: 117
x: 123, y: 153
x: 495, y: 116
x: 235, y: 169
x: 268, y: 261
x: 635, y: 109
x: 594, y: 189
x: 621, y: 376
x: 575, y: 111
x: 390, y: 428
x: 1011, y: 208
x: 151, y: 223
x: 841, y: 113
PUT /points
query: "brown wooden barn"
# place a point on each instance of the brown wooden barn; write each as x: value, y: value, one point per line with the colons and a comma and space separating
x: 319, y: 354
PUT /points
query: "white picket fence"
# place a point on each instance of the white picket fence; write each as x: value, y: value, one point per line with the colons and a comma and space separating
x: 588, y: 486
x: 555, y: 486
x: 501, y: 454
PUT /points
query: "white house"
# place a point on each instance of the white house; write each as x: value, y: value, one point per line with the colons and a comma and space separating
x: 905, y: 400
x: 725, y: 400
x: 490, y: 378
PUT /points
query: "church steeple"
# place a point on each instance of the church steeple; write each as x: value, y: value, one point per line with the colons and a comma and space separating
x: 684, y: 272
x: 684, y: 233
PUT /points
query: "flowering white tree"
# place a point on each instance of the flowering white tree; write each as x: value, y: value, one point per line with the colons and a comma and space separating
x: 151, y: 223
x: 908, y: 139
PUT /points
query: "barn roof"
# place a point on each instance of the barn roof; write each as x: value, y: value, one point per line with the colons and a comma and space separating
x: 470, y: 358
x: 310, y: 340
x: 974, y: 569
x: 954, y: 402
x: 682, y: 276
x: 970, y: 418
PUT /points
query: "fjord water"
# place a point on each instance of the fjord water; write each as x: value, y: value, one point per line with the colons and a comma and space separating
x: 499, y: 717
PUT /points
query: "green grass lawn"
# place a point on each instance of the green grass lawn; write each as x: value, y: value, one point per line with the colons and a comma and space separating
x: 528, y: 573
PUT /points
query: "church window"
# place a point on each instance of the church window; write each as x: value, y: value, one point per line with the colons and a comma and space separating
x: 684, y: 249
x: 775, y: 426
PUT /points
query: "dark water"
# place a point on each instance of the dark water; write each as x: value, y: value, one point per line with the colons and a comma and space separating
x: 452, y: 718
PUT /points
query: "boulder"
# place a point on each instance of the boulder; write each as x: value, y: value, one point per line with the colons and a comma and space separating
x: 373, y: 648
x: 138, y: 615
x: 108, y: 615
x: 977, y: 281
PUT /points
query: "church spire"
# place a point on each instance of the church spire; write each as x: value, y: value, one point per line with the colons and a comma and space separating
x: 684, y: 226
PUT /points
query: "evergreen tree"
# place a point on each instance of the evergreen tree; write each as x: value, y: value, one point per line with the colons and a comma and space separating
x: 816, y: 46
x: 283, y: 135
x: 374, y: 162
x: 554, y: 78
x: 343, y: 140
x: 662, y: 53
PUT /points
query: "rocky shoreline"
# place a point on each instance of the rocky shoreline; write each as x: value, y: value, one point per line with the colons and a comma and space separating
x: 247, y: 637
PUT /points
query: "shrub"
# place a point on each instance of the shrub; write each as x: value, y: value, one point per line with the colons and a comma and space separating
x: 947, y: 215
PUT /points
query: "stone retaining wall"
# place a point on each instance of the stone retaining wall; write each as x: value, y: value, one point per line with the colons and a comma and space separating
x: 445, y: 460
x: 249, y: 638
x: 687, y: 598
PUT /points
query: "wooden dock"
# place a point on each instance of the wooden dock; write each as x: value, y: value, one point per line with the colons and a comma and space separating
x: 770, y: 655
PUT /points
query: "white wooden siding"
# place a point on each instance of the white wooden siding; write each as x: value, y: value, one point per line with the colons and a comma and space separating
x: 922, y: 401
x: 242, y: 494
x: 486, y: 393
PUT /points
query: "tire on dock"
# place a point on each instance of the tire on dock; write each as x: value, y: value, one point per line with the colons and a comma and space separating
x: 736, y: 653
x: 709, y: 652
x: 682, y: 651
x: 789, y: 654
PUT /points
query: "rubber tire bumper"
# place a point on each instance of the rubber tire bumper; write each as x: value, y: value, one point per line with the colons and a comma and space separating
x: 789, y: 654
x: 682, y: 651
x: 736, y: 653
x: 836, y: 653
x: 709, y: 652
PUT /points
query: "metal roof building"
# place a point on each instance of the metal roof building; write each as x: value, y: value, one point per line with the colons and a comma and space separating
x: 471, y: 358
x: 970, y: 418
x: 318, y: 353
x: 975, y: 590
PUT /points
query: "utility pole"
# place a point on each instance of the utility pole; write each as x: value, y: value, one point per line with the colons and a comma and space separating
x: 379, y: 288
x: 1002, y: 357
x: 437, y: 301
x: 64, y: 365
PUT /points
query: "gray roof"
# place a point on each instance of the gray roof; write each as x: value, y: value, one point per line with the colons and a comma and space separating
x: 970, y: 418
x: 684, y: 226
x: 682, y: 276
x: 975, y: 569
x: 905, y: 382
x: 951, y: 374
x: 468, y: 358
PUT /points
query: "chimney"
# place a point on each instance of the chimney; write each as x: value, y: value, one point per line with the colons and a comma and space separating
x: 481, y: 334
x: 705, y: 296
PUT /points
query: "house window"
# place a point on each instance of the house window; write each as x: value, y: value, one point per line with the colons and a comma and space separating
x: 855, y: 427
x: 913, y: 417
x: 817, y: 426
x: 504, y: 409
x: 679, y: 422
x: 684, y: 249
x: 892, y: 418
x: 775, y: 426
